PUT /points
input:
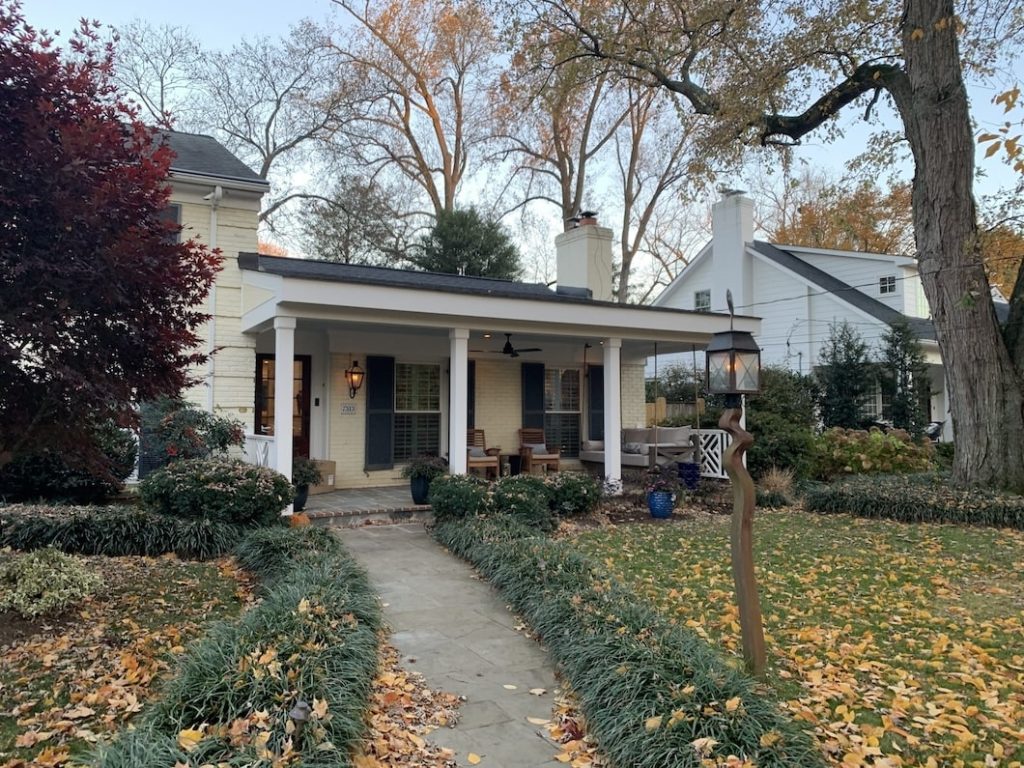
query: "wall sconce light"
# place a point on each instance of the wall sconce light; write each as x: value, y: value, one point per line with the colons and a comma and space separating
x: 354, y: 375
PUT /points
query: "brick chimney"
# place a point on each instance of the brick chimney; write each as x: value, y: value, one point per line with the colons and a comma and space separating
x: 732, y: 228
x: 585, y: 259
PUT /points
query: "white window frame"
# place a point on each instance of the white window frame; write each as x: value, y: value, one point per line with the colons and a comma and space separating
x: 700, y: 306
x: 887, y: 285
x: 398, y: 410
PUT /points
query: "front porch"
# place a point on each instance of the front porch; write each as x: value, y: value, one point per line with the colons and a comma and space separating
x: 366, y: 506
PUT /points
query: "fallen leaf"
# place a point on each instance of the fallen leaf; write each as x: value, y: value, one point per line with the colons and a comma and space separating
x: 473, y: 758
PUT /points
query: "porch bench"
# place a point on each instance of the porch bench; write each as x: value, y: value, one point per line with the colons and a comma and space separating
x: 647, y: 447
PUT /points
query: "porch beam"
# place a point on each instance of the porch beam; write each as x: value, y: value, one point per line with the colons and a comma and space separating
x: 284, y: 396
x: 612, y: 413
x: 458, y: 389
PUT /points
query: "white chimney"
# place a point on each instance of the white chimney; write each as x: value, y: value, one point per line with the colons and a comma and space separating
x: 732, y: 228
x: 585, y: 260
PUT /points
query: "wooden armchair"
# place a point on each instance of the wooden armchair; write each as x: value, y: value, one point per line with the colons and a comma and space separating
x: 535, y: 452
x: 479, y: 456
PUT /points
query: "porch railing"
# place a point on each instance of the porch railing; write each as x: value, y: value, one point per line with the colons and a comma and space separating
x: 259, y: 450
x: 713, y: 443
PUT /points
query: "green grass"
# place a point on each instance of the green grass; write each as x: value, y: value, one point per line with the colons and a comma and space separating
x: 109, y: 652
x: 903, y: 640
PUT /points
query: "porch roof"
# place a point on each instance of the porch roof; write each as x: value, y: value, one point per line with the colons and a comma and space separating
x: 329, y: 291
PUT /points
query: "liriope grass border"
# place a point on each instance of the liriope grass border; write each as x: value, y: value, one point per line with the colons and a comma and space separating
x: 313, y: 637
x: 654, y: 694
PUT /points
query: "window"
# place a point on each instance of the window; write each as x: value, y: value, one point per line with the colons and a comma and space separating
x: 887, y: 284
x: 702, y: 300
x: 417, y: 410
x: 171, y: 215
x: 562, y: 409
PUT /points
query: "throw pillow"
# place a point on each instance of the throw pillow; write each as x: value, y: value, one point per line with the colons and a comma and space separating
x: 538, y: 449
x: 593, y: 445
x: 634, y: 447
x: 476, y: 452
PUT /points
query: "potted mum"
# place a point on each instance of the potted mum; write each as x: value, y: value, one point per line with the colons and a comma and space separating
x: 421, y: 470
x: 304, y: 474
x: 662, y: 485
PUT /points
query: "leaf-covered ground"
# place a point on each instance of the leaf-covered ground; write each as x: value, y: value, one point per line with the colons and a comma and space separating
x: 902, y: 645
x: 90, y: 673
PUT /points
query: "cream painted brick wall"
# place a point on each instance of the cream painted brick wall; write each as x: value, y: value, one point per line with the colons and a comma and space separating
x: 634, y: 413
x: 499, y: 403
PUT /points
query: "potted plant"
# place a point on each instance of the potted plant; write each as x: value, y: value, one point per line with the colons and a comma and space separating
x: 421, y: 470
x: 304, y: 474
x: 662, y: 485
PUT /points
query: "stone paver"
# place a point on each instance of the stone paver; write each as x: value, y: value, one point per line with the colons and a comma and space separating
x: 455, y: 630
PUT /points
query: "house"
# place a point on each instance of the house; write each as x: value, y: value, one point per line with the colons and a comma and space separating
x: 437, y: 353
x: 800, y: 293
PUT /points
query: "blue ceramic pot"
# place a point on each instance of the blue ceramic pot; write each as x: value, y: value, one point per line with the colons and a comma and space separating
x: 660, y: 504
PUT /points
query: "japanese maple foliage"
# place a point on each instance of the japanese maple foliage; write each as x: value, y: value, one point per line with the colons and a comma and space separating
x: 99, y: 305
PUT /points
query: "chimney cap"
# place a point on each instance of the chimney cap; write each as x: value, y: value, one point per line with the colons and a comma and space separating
x: 584, y: 217
x: 727, y: 192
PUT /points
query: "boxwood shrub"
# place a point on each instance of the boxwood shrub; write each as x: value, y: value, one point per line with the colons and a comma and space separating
x: 921, y: 498
x: 221, y: 489
x: 114, y: 532
x: 648, y: 688
x: 313, y: 638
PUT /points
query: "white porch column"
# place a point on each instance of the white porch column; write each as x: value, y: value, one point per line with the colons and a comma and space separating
x: 458, y: 389
x: 612, y: 413
x: 284, y: 395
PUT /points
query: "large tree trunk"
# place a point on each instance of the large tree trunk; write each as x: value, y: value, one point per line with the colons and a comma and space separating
x: 986, y: 391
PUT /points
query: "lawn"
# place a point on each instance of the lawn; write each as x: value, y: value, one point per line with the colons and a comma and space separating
x: 92, y: 669
x: 903, y: 645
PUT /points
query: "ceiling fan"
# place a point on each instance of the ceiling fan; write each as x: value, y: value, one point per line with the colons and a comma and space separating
x: 511, y: 351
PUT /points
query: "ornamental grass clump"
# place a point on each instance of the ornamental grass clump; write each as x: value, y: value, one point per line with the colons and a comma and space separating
x: 221, y: 489
x: 44, y: 581
x: 654, y: 693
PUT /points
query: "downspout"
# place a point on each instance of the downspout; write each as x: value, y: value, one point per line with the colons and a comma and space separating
x: 211, y: 345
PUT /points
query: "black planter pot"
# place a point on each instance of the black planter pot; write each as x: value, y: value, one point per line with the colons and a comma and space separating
x: 420, y: 487
x: 301, y: 494
x: 689, y: 473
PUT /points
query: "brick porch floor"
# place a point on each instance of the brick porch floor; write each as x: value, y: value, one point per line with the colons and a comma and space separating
x: 360, y: 506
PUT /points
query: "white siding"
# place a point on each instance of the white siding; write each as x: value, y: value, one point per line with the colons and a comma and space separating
x: 781, y: 301
x: 696, y: 279
x: 862, y: 274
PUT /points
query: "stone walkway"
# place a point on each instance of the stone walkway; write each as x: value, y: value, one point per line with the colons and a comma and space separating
x: 455, y: 630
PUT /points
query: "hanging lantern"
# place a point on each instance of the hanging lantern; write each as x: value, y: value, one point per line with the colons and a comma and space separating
x: 354, y: 375
x: 733, y: 364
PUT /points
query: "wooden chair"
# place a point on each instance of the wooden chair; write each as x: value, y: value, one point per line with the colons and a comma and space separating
x: 485, y: 458
x: 531, y: 442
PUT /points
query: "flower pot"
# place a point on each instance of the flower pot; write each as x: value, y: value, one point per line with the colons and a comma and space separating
x: 660, y: 504
x: 301, y: 494
x: 689, y: 474
x: 420, y: 487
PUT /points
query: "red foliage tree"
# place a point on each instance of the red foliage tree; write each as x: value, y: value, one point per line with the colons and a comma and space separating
x: 99, y: 305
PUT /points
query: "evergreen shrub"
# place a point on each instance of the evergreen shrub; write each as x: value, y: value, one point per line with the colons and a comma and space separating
x: 841, y: 451
x: 43, y: 581
x: 453, y: 497
x: 527, y: 499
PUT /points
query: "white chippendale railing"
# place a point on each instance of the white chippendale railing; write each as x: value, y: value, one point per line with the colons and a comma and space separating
x: 713, y: 443
x: 259, y: 450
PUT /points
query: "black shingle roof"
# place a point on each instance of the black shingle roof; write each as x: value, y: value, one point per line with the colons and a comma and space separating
x: 883, y: 312
x: 204, y: 155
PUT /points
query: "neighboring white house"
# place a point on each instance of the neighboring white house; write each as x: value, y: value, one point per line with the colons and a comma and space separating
x: 432, y: 345
x: 800, y: 293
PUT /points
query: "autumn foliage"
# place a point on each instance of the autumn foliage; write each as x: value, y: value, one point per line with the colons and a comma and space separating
x: 99, y: 304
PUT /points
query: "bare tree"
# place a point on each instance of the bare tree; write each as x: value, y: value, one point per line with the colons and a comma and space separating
x: 421, y: 68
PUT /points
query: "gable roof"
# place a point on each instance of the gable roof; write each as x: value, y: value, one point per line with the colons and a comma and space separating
x: 205, y: 156
x: 841, y: 290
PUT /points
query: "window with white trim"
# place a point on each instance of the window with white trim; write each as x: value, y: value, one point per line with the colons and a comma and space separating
x: 702, y: 300
x: 562, y: 409
x: 417, y: 410
x: 887, y: 284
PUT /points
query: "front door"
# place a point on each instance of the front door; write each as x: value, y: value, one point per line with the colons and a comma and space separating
x: 300, y: 407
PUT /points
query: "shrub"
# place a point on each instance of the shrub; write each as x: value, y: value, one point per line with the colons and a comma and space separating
x: 43, y: 581
x: 573, y: 493
x: 225, y: 490
x: 49, y: 476
x: 851, y: 452
x: 173, y: 430
x: 429, y: 467
x: 525, y: 498
x: 305, y: 472
x: 313, y: 638
x: 924, y: 498
x: 781, y: 443
x: 648, y: 687
x: 114, y: 532
x: 456, y: 496
x: 944, y: 453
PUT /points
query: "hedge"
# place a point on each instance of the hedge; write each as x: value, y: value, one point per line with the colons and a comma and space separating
x: 921, y: 498
x: 649, y: 689
x: 312, y: 638
x: 114, y: 532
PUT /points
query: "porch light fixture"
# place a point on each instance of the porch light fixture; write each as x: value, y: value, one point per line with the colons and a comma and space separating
x: 354, y: 375
x: 734, y: 370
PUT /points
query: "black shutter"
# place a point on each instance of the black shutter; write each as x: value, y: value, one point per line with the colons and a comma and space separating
x: 471, y: 396
x: 380, y: 412
x: 595, y: 402
x: 533, y: 395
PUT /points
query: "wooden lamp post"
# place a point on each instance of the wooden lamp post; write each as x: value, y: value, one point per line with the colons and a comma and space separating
x: 734, y: 370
